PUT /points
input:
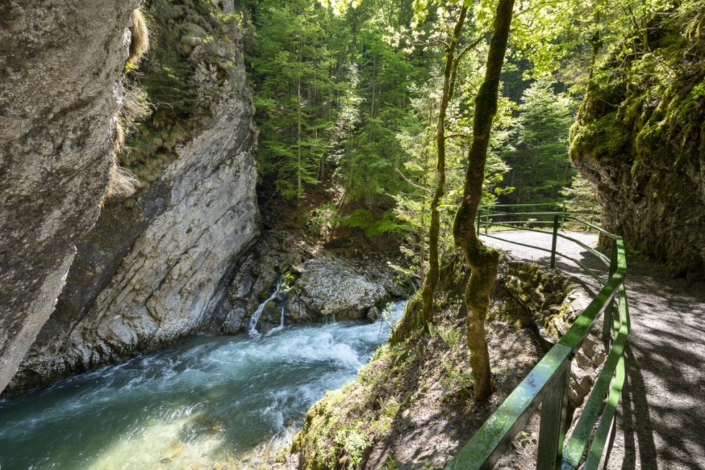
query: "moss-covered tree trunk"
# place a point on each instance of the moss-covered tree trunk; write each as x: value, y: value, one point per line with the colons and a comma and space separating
x: 419, y: 311
x: 483, y: 261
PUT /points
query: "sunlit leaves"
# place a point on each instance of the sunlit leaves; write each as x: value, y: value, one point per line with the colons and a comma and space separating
x: 539, y: 154
x: 339, y: 7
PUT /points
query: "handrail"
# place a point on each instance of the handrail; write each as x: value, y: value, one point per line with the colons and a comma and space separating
x: 542, y: 209
x: 547, y: 383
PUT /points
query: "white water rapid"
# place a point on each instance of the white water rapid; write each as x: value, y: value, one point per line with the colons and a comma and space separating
x: 218, y: 402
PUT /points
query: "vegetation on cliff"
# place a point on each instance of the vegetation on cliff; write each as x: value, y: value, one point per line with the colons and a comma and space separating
x: 639, y: 134
x: 194, y: 46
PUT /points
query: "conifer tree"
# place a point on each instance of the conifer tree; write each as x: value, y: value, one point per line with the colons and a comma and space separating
x: 539, y: 154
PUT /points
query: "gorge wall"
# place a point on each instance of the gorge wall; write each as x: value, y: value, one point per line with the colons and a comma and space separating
x: 60, y: 66
x: 640, y: 137
x: 158, y: 264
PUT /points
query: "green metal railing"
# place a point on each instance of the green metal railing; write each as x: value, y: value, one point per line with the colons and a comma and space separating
x: 537, y: 215
x: 547, y: 383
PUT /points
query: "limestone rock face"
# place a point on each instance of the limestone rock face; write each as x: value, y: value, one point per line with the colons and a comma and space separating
x: 172, y: 277
x: 658, y: 209
x: 156, y: 270
x: 330, y: 287
x: 256, y: 276
x: 59, y: 69
x: 315, y: 285
x: 640, y: 138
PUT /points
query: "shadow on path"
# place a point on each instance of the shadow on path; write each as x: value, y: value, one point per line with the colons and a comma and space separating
x: 661, y: 420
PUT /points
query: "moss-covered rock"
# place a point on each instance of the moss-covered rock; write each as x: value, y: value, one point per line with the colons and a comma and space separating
x: 196, y: 49
x: 543, y: 296
x: 640, y: 137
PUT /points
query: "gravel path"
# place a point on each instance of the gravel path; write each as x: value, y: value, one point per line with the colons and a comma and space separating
x: 661, y: 421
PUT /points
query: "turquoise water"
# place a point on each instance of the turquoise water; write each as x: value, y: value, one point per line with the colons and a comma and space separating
x: 213, y: 400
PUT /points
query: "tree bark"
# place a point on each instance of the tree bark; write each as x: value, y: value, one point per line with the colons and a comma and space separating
x: 483, y: 260
x: 415, y: 317
x: 431, y: 280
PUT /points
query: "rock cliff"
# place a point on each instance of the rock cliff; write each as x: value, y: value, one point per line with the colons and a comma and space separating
x: 316, y: 286
x: 157, y: 265
x: 640, y: 138
x: 60, y: 65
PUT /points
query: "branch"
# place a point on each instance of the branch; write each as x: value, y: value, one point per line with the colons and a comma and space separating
x: 417, y: 186
x: 427, y: 43
x: 471, y: 46
x: 455, y: 136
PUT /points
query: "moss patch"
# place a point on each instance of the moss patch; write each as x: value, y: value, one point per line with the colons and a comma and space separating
x: 193, y: 51
x: 640, y: 137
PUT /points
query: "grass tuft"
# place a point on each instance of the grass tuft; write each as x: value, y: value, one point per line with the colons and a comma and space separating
x: 122, y: 183
x: 119, y: 139
x: 139, y: 45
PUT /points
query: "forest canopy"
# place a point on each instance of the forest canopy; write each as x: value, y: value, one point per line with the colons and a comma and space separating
x: 348, y: 95
x: 405, y: 117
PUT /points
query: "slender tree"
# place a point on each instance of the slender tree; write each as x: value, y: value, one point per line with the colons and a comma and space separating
x: 413, y: 318
x: 483, y: 260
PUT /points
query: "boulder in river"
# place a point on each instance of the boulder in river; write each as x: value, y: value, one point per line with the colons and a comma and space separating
x: 333, y: 287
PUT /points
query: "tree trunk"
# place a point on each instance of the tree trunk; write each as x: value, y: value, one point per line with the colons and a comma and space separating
x: 299, y: 186
x: 483, y: 261
x: 413, y: 317
x: 431, y: 280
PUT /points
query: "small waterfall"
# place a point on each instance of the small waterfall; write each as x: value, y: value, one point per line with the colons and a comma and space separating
x: 258, y: 313
x: 281, y: 324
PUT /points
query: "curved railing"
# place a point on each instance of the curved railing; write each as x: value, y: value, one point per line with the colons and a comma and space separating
x: 537, y: 215
x: 547, y: 383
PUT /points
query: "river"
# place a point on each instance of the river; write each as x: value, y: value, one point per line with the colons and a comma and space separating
x: 209, y: 401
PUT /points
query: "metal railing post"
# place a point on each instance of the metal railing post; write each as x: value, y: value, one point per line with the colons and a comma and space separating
x: 563, y: 217
x: 609, y: 311
x: 555, y: 240
x: 554, y: 422
x: 487, y: 219
x: 478, y: 217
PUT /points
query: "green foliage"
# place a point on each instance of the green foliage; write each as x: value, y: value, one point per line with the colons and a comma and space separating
x: 354, y: 444
x: 322, y: 220
x: 581, y: 198
x: 372, y: 226
x: 347, y: 97
x: 418, y: 143
x: 451, y: 336
x: 331, y: 96
x: 537, y: 149
x: 646, y: 97
x: 456, y: 380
